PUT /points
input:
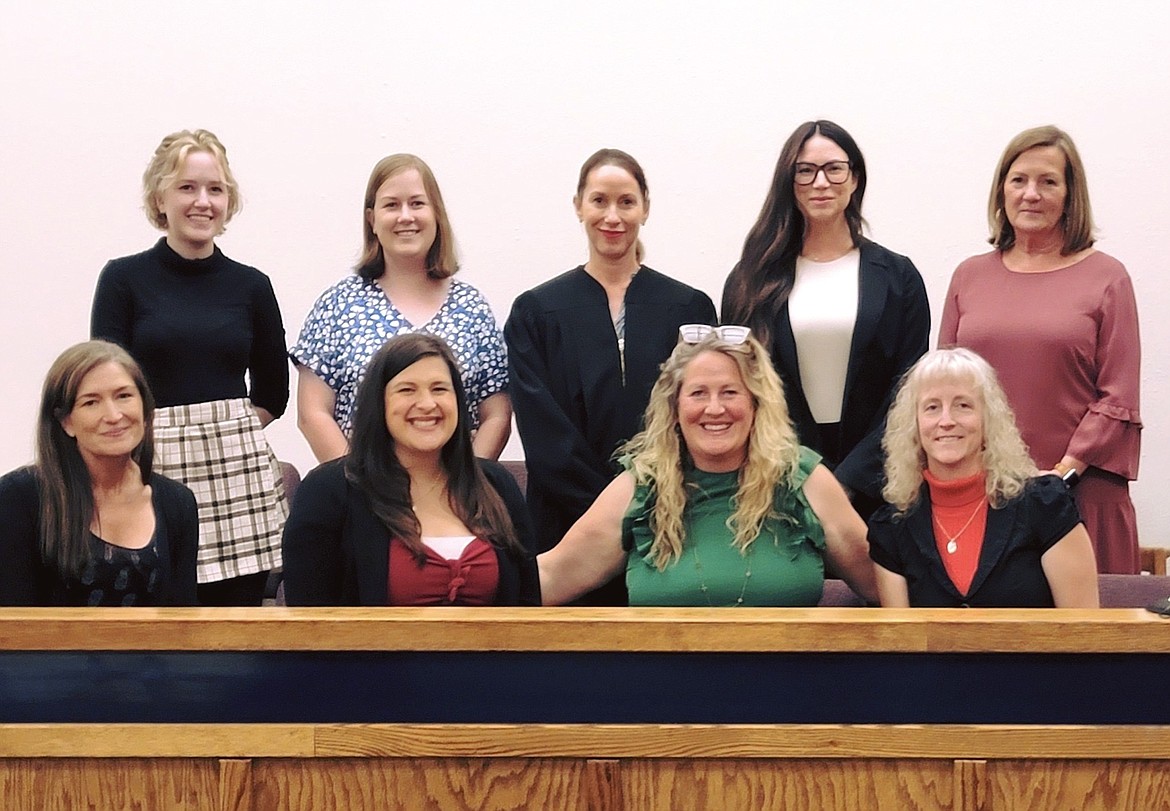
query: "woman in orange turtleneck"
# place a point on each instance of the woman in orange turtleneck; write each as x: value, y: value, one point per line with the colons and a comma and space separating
x: 968, y: 521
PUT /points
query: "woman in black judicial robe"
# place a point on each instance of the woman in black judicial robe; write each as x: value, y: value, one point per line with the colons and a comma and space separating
x: 584, y: 350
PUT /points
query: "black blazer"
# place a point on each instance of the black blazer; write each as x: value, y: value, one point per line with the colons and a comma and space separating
x: 892, y: 332
x: 1009, y: 574
x: 337, y: 552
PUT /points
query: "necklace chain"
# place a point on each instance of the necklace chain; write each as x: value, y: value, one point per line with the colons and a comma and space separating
x: 952, y: 540
x: 747, y: 576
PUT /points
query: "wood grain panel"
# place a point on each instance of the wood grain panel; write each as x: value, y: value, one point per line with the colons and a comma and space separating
x: 796, y: 785
x: 970, y: 785
x: 421, y: 785
x: 1079, y: 785
x: 585, y: 629
x: 743, y: 741
x: 602, y: 789
x: 108, y: 785
x: 235, y: 785
x: 156, y: 740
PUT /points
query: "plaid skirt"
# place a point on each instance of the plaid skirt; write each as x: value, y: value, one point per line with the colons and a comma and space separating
x: 218, y: 449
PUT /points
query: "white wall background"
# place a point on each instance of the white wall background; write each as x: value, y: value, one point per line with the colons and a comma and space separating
x: 506, y: 99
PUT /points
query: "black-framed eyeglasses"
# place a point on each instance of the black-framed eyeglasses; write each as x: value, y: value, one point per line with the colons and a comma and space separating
x: 728, y: 333
x: 836, y: 172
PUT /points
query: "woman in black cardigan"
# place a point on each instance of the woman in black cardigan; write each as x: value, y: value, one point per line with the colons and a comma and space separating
x: 842, y: 316
x: 410, y: 516
x: 89, y: 523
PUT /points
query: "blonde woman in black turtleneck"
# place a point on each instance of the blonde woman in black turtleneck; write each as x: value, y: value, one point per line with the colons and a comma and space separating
x: 198, y: 322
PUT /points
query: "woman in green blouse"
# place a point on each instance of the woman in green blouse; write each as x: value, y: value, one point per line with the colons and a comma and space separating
x: 719, y: 503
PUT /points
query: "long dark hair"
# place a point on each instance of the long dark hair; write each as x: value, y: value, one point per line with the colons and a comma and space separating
x: 372, y: 464
x: 66, y: 489
x: 762, y: 279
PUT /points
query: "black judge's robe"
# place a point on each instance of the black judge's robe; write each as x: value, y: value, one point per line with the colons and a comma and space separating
x: 571, y: 405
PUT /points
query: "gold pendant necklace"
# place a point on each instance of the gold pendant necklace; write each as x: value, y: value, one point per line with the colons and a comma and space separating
x: 952, y: 540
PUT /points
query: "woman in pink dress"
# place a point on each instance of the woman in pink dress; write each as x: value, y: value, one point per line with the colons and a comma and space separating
x: 1058, y: 321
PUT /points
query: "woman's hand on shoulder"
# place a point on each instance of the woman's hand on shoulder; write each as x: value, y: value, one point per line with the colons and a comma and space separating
x: 591, y: 552
x: 845, y: 545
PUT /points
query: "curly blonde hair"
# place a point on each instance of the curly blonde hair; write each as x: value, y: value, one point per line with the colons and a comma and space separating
x: 1004, y: 456
x: 658, y: 454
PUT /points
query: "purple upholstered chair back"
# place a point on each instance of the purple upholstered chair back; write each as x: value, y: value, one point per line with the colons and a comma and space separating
x: 519, y: 472
x: 1132, y: 590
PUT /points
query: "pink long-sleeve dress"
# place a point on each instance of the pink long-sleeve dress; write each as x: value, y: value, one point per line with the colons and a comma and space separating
x: 1066, y: 348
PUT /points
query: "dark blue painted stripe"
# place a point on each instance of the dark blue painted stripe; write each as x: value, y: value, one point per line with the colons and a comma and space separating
x: 648, y: 688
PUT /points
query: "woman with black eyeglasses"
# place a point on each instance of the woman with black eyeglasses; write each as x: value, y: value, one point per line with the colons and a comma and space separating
x: 718, y: 505
x: 843, y: 317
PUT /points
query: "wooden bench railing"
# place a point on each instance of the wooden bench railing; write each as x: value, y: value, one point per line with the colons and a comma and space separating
x: 599, y: 708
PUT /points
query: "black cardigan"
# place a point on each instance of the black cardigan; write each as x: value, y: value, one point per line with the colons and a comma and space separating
x: 337, y: 552
x: 26, y: 579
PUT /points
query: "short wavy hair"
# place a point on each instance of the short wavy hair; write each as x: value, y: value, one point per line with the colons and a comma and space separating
x: 167, y: 163
x: 1077, y: 220
x: 1005, y: 456
x: 441, y: 260
x: 658, y: 455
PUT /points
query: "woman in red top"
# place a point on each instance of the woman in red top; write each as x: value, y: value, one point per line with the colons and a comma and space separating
x: 968, y: 522
x: 410, y: 516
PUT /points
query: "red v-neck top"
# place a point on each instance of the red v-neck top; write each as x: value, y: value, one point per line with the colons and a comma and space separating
x: 953, y: 504
x: 471, y: 580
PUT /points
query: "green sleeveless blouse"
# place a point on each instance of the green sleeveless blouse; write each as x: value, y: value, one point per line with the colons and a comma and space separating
x: 784, y: 566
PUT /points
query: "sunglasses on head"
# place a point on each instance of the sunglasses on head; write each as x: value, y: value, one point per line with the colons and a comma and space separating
x: 728, y: 333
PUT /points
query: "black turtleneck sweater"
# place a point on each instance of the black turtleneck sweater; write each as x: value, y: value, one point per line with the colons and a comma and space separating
x: 196, y: 326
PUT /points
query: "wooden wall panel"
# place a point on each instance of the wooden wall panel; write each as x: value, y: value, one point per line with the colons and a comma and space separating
x: 108, y: 785
x: 1079, y: 785
x: 792, y: 785
x: 426, y: 785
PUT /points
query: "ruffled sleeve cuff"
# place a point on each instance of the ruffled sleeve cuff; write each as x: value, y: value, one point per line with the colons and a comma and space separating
x: 1109, y: 437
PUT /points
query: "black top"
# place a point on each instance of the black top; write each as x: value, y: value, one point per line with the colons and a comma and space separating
x: 1009, y: 574
x: 163, y: 573
x: 196, y: 326
x: 337, y: 552
x: 571, y: 406
x: 891, y: 332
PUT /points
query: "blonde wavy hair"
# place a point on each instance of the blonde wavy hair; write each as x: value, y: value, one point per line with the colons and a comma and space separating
x: 1004, y: 456
x: 659, y: 457
x: 167, y: 164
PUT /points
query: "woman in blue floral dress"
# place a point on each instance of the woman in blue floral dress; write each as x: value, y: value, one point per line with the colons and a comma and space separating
x: 403, y: 283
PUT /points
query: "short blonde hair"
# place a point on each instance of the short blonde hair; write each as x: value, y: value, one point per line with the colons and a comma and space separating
x: 1077, y: 220
x: 441, y: 260
x: 657, y: 454
x: 1005, y: 456
x: 167, y: 163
